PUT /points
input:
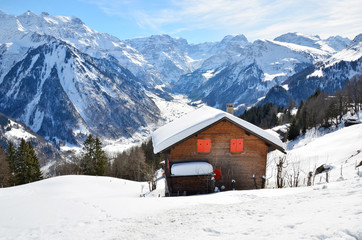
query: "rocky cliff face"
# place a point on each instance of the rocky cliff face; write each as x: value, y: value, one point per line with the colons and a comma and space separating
x: 63, y: 94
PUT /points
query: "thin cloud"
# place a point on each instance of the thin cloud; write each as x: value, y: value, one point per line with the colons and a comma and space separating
x: 255, y: 19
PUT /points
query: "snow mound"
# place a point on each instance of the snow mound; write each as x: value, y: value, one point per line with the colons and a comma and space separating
x: 85, y: 207
x: 191, y: 169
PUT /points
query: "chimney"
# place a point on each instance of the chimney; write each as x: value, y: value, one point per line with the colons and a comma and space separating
x: 230, y: 108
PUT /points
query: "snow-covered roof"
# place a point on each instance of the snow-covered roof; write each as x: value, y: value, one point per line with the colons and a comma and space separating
x: 176, y: 131
x: 191, y: 169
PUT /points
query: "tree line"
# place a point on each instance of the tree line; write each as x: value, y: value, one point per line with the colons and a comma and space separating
x: 266, y: 116
x: 138, y: 163
x: 20, y: 165
x: 326, y: 110
x: 319, y: 110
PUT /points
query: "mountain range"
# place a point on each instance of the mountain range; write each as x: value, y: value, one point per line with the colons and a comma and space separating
x: 65, y: 80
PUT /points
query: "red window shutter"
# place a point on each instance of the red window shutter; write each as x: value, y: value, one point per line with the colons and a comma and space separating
x: 237, y: 145
x: 203, y: 145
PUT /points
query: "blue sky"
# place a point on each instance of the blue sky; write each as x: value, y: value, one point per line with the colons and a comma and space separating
x: 204, y: 20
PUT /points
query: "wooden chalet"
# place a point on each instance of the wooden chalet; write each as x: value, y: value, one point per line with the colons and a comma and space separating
x: 210, y: 148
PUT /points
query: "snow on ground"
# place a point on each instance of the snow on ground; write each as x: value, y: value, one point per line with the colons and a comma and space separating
x: 340, y: 148
x: 84, y: 207
x: 17, y: 132
x: 176, y: 108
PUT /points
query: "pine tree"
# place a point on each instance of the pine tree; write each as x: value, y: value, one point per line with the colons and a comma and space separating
x: 20, y: 162
x: 4, y: 169
x: 11, y: 159
x: 23, y: 163
x: 94, y: 159
x: 88, y: 161
x: 293, y: 131
x: 101, y: 159
x: 33, y: 168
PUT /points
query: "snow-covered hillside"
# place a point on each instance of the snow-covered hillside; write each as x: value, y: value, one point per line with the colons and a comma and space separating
x: 85, y: 207
x: 340, y: 149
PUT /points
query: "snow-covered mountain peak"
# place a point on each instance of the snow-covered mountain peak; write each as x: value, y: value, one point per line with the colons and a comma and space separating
x: 30, y: 17
x: 357, y: 39
x: 298, y: 38
x: 239, y: 38
x: 231, y: 43
x: 169, y: 55
x: 162, y: 42
x: 331, y: 45
x: 337, y: 42
x: 59, y: 26
x: 352, y: 52
x: 10, y: 27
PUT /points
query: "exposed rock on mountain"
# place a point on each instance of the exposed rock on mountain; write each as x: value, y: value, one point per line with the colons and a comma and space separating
x: 63, y: 94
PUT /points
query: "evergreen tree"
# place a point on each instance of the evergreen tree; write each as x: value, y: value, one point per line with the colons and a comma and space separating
x: 88, y: 160
x: 293, y: 131
x: 263, y: 116
x: 25, y: 165
x: 4, y: 169
x: 20, y: 162
x: 11, y: 159
x: 101, y: 158
x: 33, y: 168
x: 94, y: 159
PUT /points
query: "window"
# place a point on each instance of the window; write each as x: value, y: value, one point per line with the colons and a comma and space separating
x: 203, y: 145
x: 237, y: 145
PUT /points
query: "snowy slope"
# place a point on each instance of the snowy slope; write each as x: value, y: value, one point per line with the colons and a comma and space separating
x: 329, y: 75
x: 351, y: 53
x: 243, y: 75
x: 331, y: 44
x: 64, y: 94
x: 84, y: 207
x: 168, y: 55
x: 74, y: 32
x: 341, y: 149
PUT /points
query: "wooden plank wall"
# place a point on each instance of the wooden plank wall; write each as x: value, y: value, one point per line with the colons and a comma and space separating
x: 188, y: 185
x: 238, y: 166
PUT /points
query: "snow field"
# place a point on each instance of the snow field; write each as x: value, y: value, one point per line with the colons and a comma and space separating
x: 340, y: 149
x: 84, y: 207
